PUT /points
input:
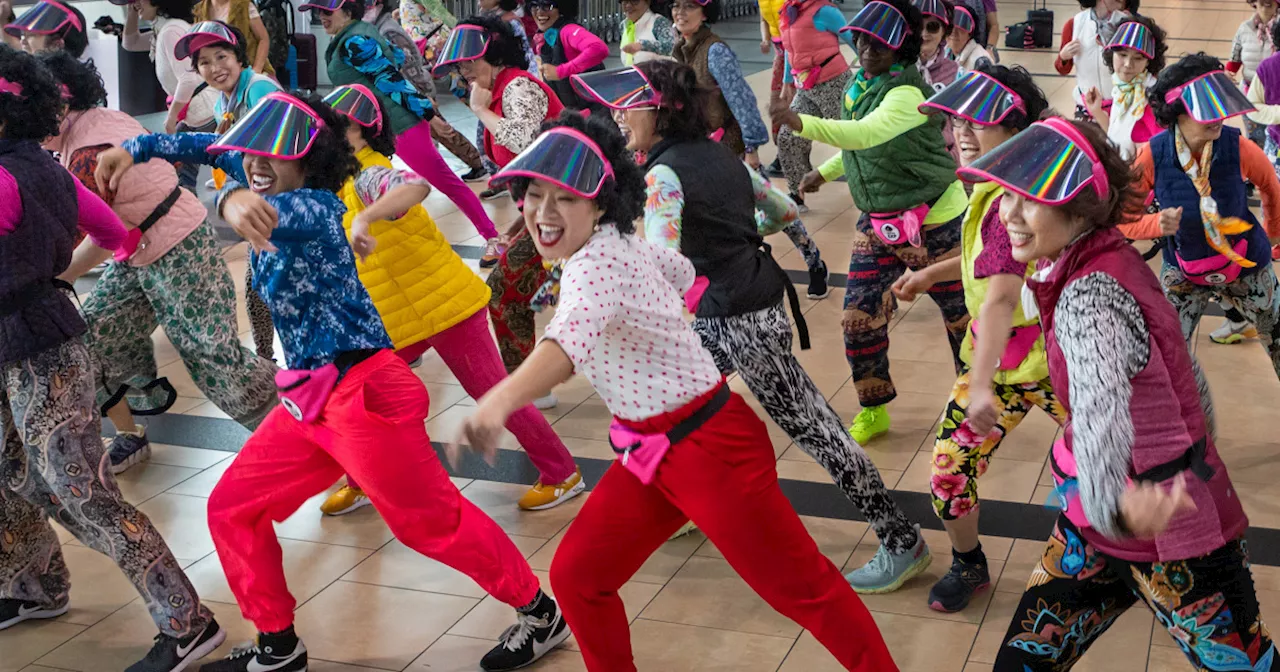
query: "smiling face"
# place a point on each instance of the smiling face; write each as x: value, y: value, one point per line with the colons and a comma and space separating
x: 270, y: 176
x: 1196, y: 133
x: 146, y: 10
x: 1037, y: 231
x: 932, y: 36
x: 876, y: 56
x: 638, y: 126
x: 974, y: 140
x: 634, y: 9
x: 478, y: 71
x: 559, y: 220
x: 334, y: 21
x: 1129, y: 64
x: 219, y: 68
x: 545, y: 15
x: 687, y: 16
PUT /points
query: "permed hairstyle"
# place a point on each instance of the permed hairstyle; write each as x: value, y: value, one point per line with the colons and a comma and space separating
x: 380, y: 139
x: 505, y: 49
x: 683, y: 113
x: 1161, y: 40
x: 1022, y: 83
x: 947, y: 26
x: 353, y: 9
x: 331, y: 161
x: 622, y: 197
x: 1186, y: 69
x: 240, y: 49
x: 176, y: 9
x: 909, y: 52
x: 1120, y: 198
x: 34, y: 114
x: 84, y: 84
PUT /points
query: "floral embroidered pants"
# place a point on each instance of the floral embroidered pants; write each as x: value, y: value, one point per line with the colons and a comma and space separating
x: 513, y: 283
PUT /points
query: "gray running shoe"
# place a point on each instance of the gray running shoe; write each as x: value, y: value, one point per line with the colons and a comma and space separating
x: 886, y: 572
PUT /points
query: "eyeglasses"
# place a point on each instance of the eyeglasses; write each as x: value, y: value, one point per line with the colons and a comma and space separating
x: 959, y: 123
x: 683, y: 7
x: 541, y: 5
x: 630, y: 2
x: 933, y: 26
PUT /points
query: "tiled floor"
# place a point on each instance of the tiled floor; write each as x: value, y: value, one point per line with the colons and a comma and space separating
x: 365, y: 602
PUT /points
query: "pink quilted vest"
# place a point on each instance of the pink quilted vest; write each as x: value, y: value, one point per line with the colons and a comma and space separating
x: 806, y: 46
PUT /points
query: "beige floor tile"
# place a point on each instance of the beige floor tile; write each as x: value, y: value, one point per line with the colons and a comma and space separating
x: 1031, y: 440
x: 28, y: 642
x: 379, y: 626
x: 1023, y: 558
x: 658, y: 569
x: 98, y: 587
x: 910, y: 410
x: 1166, y: 659
x: 663, y: 647
x: 398, y: 566
x: 444, y: 396
x: 925, y: 644
x: 181, y: 456
x: 146, y: 480
x: 314, y: 665
x: 308, y: 567
x: 498, y: 500
x: 445, y: 427
x: 362, y: 528
x: 707, y: 592
x: 588, y: 448
x: 589, y: 420
x: 40, y: 668
x: 835, y: 538
x: 451, y: 653
x: 1253, y: 463
x: 203, y: 483
x: 182, y: 522
x: 977, y: 667
x: 209, y: 410
x: 182, y: 405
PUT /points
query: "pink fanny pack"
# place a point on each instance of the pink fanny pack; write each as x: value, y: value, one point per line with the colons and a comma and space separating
x: 1021, y: 341
x: 808, y: 78
x: 894, y: 228
x: 304, y: 392
x: 641, y: 453
x: 693, y: 297
x: 1214, y: 270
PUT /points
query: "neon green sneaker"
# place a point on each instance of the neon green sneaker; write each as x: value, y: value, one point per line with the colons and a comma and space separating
x: 870, y: 422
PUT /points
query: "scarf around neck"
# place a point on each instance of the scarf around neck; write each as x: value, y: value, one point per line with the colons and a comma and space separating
x: 1216, y: 227
x: 1131, y: 96
x: 861, y: 84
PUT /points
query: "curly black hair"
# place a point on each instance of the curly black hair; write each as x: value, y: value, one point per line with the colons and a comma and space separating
x: 240, y: 48
x: 380, y: 138
x: 353, y: 9
x: 176, y: 9
x: 683, y: 113
x: 508, y: 5
x: 1161, y: 40
x: 1022, y: 83
x: 331, y: 161
x: 1186, y: 69
x: 1130, y: 6
x: 35, y: 114
x: 84, y: 84
x: 505, y: 48
x: 622, y: 197
x: 1121, y: 200
x: 909, y: 52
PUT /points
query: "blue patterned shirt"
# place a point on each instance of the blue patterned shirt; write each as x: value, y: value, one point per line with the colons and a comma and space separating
x: 365, y: 55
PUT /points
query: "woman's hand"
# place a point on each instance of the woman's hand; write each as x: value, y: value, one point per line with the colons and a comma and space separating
x: 112, y: 165
x: 781, y: 113
x: 480, y: 98
x: 548, y: 72
x: 1093, y: 101
x: 912, y: 284
x: 765, y: 46
x: 479, y: 432
x: 632, y: 48
x: 362, y: 243
x: 811, y: 182
x: 983, y: 411
x: 171, y: 121
x: 1070, y: 50
x: 1170, y: 219
x: 251, y: 217
x: 1146, y: 508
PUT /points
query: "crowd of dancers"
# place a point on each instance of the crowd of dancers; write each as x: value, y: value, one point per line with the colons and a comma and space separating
x: 1017, y: 222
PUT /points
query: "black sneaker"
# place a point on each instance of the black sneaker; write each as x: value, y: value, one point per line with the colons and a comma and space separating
x: 535, y: 633
x: 281, y: 652
x: 954, y: 590
x: 799, y: 202
x: 475, y: 175
x: 493, y: 193
x: 774, y: 169
x: 818, y: 288
x: 127, y: 450
x: 170, y: 654
x: 13, y: 612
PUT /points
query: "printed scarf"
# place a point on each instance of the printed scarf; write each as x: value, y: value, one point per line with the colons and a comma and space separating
x: 1216, y: 227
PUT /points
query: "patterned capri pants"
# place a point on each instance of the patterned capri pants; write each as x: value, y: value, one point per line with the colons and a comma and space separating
x: 823, y: 100
x: 1256, y: 296
x: 758, y: 346
x: 189, y: 292
x: 512, y: 284
x: 1207, y: 604
x: 54, y: 466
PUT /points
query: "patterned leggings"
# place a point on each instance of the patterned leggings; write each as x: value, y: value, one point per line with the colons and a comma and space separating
x: 264, y: 332
x: 823, y: 100
x: 960, y: 456
x: 53, y: 466
x: 758, y: 346
x: 869, y: 303
x: 1207, y: 604
x: 808, y: 249
x: 1256, y: 296
x: 513, y: 283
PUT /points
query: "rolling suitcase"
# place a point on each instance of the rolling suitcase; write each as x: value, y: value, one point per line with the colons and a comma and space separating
x: 1041, y: 23
x: 304, y: 45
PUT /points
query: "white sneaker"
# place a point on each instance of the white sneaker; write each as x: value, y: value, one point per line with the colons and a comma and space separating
x: 1233, y: 332
x: 546, y: 403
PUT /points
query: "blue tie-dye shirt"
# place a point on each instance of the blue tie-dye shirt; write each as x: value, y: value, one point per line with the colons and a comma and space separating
x: 317, y: 302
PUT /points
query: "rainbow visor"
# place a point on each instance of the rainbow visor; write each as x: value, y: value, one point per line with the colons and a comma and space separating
x: 1134, y: 35
x: 622, y: 89
x: 1211, y: 97
x: 1050, y: 163
x: 964, y: 20
x: 466, y: 43
x: 322, y: 5
x: 46, y: 18
x: 933, y: 8
x: 280, y: 127
x: 358, y: 103
x: 975, y: 96
x: 202, y: 35
x: 564, y: 157
x: 882, y: 21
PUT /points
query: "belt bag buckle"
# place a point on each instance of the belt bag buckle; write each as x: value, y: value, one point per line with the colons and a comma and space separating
x: 304, y: 392
x: 639, y: 453
x: 895, y: 228
x: 1213, y: 270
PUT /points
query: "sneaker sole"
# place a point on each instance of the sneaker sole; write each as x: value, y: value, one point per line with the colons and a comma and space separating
x: 570, y: 494
x: 488, y: 264
x: 136, y: 458
x: 863, y: 442
x: 202, y: 651
x: 35, y: 615
x: 360, y: 504
x: 496, y: 196
x: 916, y: 569
x: 819, y: 297
x: 1230, y: 340
x: 938, y: 606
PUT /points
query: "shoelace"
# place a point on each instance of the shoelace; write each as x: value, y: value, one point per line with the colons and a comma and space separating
x: 880, y: 561
x: 246, y: 649
x: 515, y: 636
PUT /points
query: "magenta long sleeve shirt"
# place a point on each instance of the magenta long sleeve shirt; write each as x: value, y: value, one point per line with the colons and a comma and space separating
x: 96, y: 217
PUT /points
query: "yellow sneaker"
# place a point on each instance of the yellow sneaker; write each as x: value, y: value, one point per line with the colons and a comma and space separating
x: 687, y: 528
x: 541, y: 497
x: 345, y: 500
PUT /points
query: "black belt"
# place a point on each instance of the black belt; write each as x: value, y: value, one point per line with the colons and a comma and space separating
x: 793, y: 297
x: 345, y: 361
x: 1193, y: 460
x: 161, y: 210
x: 27, y: 294
x: 689, y: 425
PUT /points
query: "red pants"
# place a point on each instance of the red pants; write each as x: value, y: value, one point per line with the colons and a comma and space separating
x: 724, y: 479
x: 372, y: 428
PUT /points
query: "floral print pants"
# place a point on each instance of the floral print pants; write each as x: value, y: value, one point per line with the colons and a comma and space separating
x: 960, y: 456
x: 513, y: 283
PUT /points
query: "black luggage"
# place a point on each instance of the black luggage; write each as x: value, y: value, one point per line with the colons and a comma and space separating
x: 307, y: 62
x: 1041, y: 21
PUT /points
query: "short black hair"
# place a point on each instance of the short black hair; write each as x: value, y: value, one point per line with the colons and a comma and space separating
x: 1121, y: 200
x: 34, y: 114
x: 568, y: 8
x: 622, y: 197
x: 683, y: 113
x: 505, y: 47
x: 508, y: 5
x: 1275, y: 35
x: 1130, y: 6
x: 380, y: 138
x: 1158, y: 37
x: 240, y: 48
x: 176, y: 9
x: 1186, y: 69
x: 1022, y: 83
x: 353, y: 9
x: 84, y: 85
x: 331, y: 161
x: 74, y: 40
x: 909, y: 52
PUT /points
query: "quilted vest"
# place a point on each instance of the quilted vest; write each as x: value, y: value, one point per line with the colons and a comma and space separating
x: 1269, y: 76
x: 499, y: 154
x: 418, y: 284
x: 1174, y: 189
x: 1164, y: 407
x: 35, y: 315
x: 341, y: 73
x: 693, y: 52
x: 1091, y: 70
x: 557, y: 55
x: 806, y: 46
x: 910, y: 169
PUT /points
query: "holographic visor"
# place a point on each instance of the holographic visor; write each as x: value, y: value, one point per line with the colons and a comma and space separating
x: 975, y: 96
x: 280, y: 127
x: 882, y: 21
x: 358, y: 103
x: 1050, y: 163
x: 621, y: 89
x: 933, y: 8
x: 46, y: 18
x: 1134, y: 35
x: 964, y: 20
x: 201, y: 35
x: 466, y: 43
x: 323, y: 5
x: 564, y: 157
x: 1211, y: 97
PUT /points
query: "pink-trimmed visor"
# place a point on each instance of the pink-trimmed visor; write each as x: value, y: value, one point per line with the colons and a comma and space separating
x: 1211, y: 97
x: 322, y: 5
x: 358, y: 103
x: 46, y: 18
x: 564, y: 157
x: 975, y: 96
x: 465, y: 43
x: 621, y: 89
x: 201, y: 35
x: 280, y: 127
x: 933, y: 8
x: 964, y: 20
x: 882, y: 21
x: 1134, y: 35
x: 1049, y: 163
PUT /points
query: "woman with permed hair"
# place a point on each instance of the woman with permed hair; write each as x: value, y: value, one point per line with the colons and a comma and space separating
x: 53, y: 456
x: 1148, y: 512
x: 1214, y: 245
x: 566, y: 48
x: 903, y: 179
x: 348, y: 403
x: 50, y: 26
x: 689, y: 449
x: 1135, y: 56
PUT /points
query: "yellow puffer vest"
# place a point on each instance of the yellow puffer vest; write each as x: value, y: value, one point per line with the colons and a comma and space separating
x: 419, y: 285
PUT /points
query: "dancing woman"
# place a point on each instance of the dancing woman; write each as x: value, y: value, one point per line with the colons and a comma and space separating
x: 1135, y: 56
x: 50, y: 26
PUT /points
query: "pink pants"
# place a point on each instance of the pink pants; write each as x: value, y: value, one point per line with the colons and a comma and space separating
x: 372, y: 427
x: 416, y: 148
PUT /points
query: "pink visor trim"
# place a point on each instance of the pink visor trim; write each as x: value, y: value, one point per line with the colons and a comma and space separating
x: 563, y: 156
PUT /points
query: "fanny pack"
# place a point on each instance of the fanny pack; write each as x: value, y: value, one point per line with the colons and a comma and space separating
x: 808, y: 78
x: 1021, y: 341
x: 1213, y: 270
x: 133, y: 237
x: 1066, y: 496
x: 304, y: 392
x: 894, y: 228
x: 641, y: 453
